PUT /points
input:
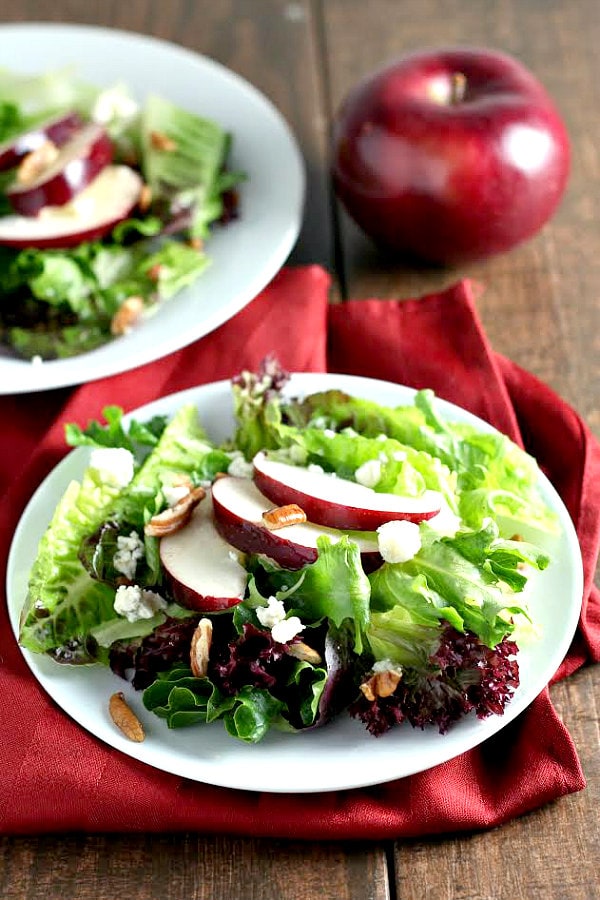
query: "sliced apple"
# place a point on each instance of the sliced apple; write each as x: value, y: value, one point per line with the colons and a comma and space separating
x: 58, y: 130
x: 337, y: 502
x: 238, y: 509
x: 65, y: 174
x: 201, y: 568
x: 108, y: 200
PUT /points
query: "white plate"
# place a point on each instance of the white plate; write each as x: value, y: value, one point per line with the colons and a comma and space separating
x: 342, y: 754
x: 245, y: 255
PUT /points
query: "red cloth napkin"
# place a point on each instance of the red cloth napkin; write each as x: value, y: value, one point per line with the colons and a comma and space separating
x: 56, y: 777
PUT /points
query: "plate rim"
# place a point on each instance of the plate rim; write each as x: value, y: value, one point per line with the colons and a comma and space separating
x: 483, y: 728
x: 91, y: 366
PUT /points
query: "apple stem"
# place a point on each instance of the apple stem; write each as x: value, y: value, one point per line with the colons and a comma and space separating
x: 458, y: 87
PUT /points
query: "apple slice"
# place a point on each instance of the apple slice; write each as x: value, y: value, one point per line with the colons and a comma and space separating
x: 58, y: 130
x: 337, y: 502
x: 108, y: 200
x: 238, y: 510
x: 200, y: 567
x: 66, y: 173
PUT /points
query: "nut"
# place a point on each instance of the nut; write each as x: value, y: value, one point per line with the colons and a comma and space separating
x: 382, y: 684
x: 281, y: 516
x: 200, y: 649
x: 300, y: 650
x: 161, y: 141
x: 33, y: 164
x: 175, y: 517
x: 127, y: 315
x: 145, y: 198
x: 125, y: 719
x: 154, y: 271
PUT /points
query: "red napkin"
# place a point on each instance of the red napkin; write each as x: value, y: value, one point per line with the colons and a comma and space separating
x: 56, y: 777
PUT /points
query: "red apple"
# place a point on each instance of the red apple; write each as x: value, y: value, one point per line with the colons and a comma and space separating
x: 238, y: 509
x: 75, y: 165
x: 58, y: 129
x: 337, y: 502
x: 104, y: 203
x: 450, y: 155
x: 200, y: 567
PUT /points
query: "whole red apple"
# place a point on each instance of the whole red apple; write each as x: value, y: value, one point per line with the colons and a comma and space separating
x: 450, y: 155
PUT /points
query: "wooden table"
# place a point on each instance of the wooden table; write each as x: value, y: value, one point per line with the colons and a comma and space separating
x: 541, y: 307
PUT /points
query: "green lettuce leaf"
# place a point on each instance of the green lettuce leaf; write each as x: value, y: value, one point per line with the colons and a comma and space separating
x: 63, y: 603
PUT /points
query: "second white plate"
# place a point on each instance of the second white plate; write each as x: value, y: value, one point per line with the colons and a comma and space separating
x: 245, y: 255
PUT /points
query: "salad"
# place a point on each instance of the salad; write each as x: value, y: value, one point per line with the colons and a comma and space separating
x: 333, y: 557
x: 105, y: 207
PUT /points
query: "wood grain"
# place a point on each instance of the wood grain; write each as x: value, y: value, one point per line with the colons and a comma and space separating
x: 172, y: 867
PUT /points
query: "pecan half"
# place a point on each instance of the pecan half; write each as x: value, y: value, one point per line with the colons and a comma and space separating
x: 175, y: 517
x: 161, y: 141
x: 382, y: 684
x: 145, y: 198
x: 127, y: 315
x: 33, y: 164
x: 125, y: 719
x: 281, y: 516
x: 200, y: 649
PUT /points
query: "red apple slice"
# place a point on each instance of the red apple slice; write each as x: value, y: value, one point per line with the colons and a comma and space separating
x: 238, y: 509
x: 58, y: 130
x: 108, y: 200
x: 200, y: 567
x: 337, y: 502
x: 73, y: 168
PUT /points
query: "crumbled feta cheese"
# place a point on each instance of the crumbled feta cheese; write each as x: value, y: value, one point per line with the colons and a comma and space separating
x: 315, y: 467
x: 115, y: 464
x: 369, y: 473
x: 381, y: 437
x: 36, y: 360
x: 383, y: 458
x: 386, y: 665
x: 135, y: 603
x: 284, y: 631
x: 239, y: 467
x: 399, y: 455
x: 114, y: 103
x: 130, y: 549
x: 273, y: 616
x: 398, y: 541
x: 173, y: 493
x: 329, y: 433
x: 272, y: 613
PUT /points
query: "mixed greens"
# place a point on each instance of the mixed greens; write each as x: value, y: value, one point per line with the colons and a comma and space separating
x: 61, y: 297
x: 424, y: 640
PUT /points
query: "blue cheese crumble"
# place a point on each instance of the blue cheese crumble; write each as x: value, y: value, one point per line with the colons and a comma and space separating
x: 135, y: 603
x: 130, y: 549
x: 398, y: 541
x: 273, y: 616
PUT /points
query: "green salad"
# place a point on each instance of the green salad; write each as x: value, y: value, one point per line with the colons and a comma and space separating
x: 106, y: 205
x: 333, y: 557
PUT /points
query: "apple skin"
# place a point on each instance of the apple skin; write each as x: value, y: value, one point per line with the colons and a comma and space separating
x: 283, y: 483
x: 80, y: 160
x: 446, y: 178
x: 120, y: 183
x: 58, y: 130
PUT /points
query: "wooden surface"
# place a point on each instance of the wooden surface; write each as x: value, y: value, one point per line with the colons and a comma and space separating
x: 541, y: 307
